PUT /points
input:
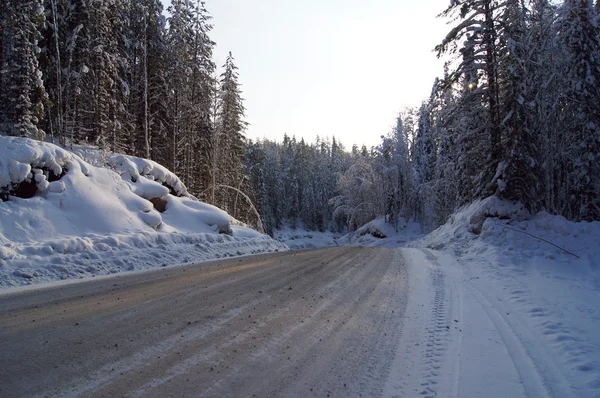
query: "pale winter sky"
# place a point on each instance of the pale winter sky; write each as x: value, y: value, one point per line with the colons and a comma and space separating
x: 342, y: 68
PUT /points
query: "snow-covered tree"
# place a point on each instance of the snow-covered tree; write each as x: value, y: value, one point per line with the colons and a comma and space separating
x: 21, y: 86
x: 229, y: 131
x: 580, y: 124
x: 478, y: 27
x: 519, y: 175
x: 191, y: 81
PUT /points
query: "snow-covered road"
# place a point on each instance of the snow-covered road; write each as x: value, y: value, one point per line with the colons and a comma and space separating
x: 337, y: 322
x: 296, y: 324
x: 460, y: 338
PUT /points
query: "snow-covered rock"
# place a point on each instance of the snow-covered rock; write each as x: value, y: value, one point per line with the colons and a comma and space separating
x: 71, y: 214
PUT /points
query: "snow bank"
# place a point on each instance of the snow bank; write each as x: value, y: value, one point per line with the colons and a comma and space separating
x: 61, y: 217
x: 544, y: 271
x: 496, y: 228
x: 82, y: 257
x: 382, y: 234
x: 301, y: 239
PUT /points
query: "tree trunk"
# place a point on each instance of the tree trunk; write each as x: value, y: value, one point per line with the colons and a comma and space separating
x: 489, y: 38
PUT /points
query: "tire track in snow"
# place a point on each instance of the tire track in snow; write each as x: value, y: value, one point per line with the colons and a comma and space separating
x: 426, y: 340
x: 539, y: 374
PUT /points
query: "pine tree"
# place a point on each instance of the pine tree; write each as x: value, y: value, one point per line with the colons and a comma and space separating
x: 478, y: 62
x: 519, y: 175
x: 578, y: 37
x: 230, y: 145
x: 22, y: 88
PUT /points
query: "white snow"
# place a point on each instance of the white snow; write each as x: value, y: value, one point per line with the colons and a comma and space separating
x: 495, y: 312
x: 301, y: 239
x: 381, y: 234
x: 98, y: 220
x: 132, y: 169
x: 375, y: 233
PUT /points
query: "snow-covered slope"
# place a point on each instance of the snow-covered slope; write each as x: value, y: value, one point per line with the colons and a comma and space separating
x: 61, y: 217
x: 542, y: 299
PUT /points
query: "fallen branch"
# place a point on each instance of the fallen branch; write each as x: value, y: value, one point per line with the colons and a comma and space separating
x: 544, y: 240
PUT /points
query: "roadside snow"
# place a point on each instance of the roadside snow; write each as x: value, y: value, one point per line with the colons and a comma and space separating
x: 495, y: 312
x: 84, y: 220
x: 300, y: 239
x: 376, y: 233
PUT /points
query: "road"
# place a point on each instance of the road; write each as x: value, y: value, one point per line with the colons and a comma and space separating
x: 314, y: 323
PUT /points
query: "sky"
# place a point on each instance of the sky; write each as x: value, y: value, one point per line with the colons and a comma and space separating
x: 342, y: 68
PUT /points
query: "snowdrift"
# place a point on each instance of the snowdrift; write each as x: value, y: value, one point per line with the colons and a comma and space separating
x: 61, y: 217
x: 496, y: 228
x: 382, y: 234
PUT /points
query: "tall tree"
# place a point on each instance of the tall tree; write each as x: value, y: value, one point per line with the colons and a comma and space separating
x: 519, y: 175
x: 22, y: 88
x: 230, y: 126
x: 478, y: 25
x: 579, y: 41
x: 192, y: 85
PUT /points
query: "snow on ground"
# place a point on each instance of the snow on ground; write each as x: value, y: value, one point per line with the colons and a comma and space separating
x: 378, y: 233
x: 74, y: 220
x: 496, y: 312
x: 301, y: 239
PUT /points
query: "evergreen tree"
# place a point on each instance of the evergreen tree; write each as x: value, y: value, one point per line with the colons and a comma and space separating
x: 519, y: 175
x: 22, y: 88
x: 192, y: 85
x: 230, y: 143
x: 578, y: 37
x: 478, y: 25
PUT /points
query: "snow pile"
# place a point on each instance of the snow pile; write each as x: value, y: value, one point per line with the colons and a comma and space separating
x: 544, y: 271
x: 375, y: 233
x: 382, y: 234
x: 132, y: 169
x: 497, y: 228
x: 301, y: 239
x: 61, y: 217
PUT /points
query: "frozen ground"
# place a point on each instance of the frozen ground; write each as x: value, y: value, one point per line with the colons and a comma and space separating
x: 74, y: 219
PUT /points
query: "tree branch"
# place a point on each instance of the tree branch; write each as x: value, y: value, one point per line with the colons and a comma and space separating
x: 544, y: 240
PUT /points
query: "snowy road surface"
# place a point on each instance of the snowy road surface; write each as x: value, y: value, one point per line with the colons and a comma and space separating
x: 338, y: 322
x: 295, y: 324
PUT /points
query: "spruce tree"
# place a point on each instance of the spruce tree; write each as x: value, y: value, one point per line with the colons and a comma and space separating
x: 478, y: 29
x: 578, y: 38
x: 519, y: 175
x: 230, y: 144
x: 22, y: 88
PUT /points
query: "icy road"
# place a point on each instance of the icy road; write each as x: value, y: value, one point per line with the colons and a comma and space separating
x: 338, y: 322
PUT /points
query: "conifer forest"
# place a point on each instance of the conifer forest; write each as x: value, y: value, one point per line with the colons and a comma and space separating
x: 514, y: 113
